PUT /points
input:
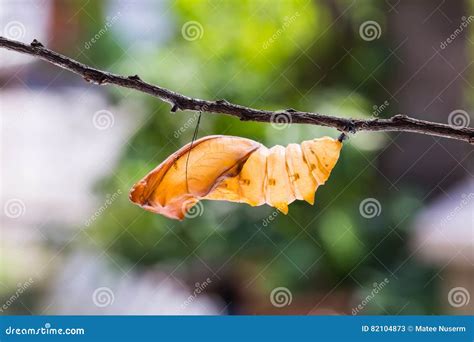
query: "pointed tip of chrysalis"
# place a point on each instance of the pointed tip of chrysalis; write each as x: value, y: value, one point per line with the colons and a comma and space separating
x: 282, y: 207
x: 309, y: 198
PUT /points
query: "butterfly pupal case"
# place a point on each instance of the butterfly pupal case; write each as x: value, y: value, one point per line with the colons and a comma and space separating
x: 235, y: 169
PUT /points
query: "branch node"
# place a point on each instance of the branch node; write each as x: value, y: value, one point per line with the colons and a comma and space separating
x: 134, y: 78
x: 290, y: 110
x: 90, y: 78
x: 175, y: 108
x: 36, y: 44
x: 350, y: 127
x: 400, y: 117
x: 222, y: 101
x: 244, y: 117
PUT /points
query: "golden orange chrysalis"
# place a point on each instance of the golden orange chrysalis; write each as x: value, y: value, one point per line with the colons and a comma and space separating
x: 235, y: 169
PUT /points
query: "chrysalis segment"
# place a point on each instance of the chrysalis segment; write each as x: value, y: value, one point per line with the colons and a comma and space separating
x: 321, y: 155
x: 279, y: 192
x: 228, y: 189
x: 304, y: 184
x: 252, y: 177
x: 248, y: 186
x: 327, y: 150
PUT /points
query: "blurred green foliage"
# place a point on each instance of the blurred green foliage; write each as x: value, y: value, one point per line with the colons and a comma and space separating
x: 312, y: 66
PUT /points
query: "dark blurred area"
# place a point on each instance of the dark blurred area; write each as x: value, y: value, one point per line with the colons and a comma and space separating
x: 391, y: 232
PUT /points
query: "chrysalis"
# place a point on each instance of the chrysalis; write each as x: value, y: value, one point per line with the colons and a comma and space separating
x: 235, y: 169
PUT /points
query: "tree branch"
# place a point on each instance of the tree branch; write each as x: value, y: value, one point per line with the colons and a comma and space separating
x: 398, y: 122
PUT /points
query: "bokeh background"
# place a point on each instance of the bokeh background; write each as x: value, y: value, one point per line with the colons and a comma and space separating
x: 391, y: 231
